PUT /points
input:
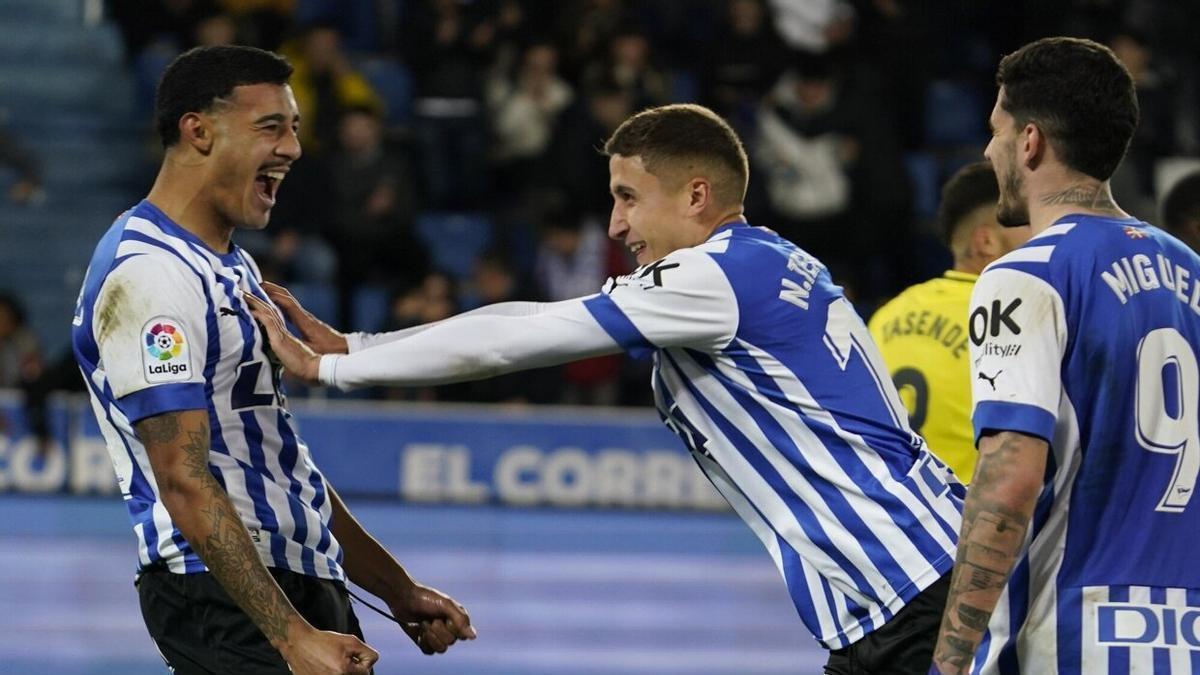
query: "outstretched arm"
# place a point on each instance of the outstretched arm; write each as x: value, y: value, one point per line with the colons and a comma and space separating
x: 432, y: 619
x: 466, y: 347
x: 996, y: 515
x: 177, y: 444
x: 324, y: 339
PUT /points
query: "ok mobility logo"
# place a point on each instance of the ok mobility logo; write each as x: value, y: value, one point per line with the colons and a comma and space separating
x: 1129, y: 625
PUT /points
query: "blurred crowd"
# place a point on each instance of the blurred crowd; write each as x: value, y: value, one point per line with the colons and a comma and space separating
x: 451, y: 146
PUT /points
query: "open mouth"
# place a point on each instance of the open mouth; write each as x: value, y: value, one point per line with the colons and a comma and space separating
x: 637, y: 247
x: 267, y: 185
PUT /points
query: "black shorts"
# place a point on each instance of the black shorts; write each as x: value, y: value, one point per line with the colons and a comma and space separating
x: 200, y: 631
x: 902, y: 646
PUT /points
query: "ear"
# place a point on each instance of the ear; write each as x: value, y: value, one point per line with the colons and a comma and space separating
x: 700, y: 195
x: 1034, y: 146
x: 195, y: 130
x: 984, y: 242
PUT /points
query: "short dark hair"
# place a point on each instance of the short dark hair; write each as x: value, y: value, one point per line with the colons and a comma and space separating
x: 1080, y: 96
x: 683, y: 132
x: 1181, y: 204
x: 969, y: 188
x: 197, y: 77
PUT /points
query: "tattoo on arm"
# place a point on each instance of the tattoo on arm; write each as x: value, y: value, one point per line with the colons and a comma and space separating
x: 158, y: 429
x: 215, y: 530
x: 993, y: 534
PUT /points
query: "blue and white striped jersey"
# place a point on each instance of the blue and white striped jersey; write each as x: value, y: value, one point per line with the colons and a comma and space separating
x: 161, y: 326
x: 1087, y: 337
x: 769, y: 376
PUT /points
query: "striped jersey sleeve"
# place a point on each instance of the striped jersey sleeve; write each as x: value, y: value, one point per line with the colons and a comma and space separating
x: 152, y: 342
x: 682, y: 300
x: 1018, y: 337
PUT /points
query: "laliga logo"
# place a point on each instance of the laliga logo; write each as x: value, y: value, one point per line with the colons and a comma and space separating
x: 164, y: 341
x: 1127, y: 625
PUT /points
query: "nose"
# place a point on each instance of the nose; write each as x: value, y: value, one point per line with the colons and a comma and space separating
x: 290, y: 146
x: 617, y: 227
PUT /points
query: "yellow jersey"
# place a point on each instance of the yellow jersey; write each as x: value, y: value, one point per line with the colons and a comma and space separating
x: 923, y: 336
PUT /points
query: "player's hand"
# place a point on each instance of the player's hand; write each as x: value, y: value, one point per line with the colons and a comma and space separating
x: 295, y: 356
x: 321, y: 652
x: 432, y: 619
x: 320, y: 336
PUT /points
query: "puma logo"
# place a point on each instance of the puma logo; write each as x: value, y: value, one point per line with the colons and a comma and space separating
x: 990, y: 380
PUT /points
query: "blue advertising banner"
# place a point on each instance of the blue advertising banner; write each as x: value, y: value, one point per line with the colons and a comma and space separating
x: 528, y: 456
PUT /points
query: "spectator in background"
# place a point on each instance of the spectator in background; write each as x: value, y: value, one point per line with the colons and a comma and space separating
x: 1154, y: 138
x: 28, y: 186
x: 525, y: 111
x: 495, y: 280
x: 574, y: 258
x: 584, y: 29
x: 217, y: 29
x: 326, y: 85
x: 449, y: 46
x: 264, y: 22
x: 168, y: 25
x: 833, y: 175
x: 20, y: 355
x: 575, y: 167
x: 1181, y: 210
x: 375, y: 205
x: 629, y: 63
x: 743, y: 62
x: 815, y: 26
x: 432, y: 299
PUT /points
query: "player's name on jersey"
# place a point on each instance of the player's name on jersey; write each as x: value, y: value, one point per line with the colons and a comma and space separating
x: 1135, y: 274
x: 808, y: 268
x: 933, y: 325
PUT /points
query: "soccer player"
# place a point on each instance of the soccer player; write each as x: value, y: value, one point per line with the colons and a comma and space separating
x: 243, y: 547
x: 761, y: 366
x: 922, y: 333
x: 1181, y: 210
x: 1078, y: 549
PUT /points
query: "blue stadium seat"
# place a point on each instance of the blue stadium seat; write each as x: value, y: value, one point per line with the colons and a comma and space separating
x: 393, y: 82
x: 369, y: 308
x: 923, y: 173
x: 454, y: 240
x: 954, y: 114
x: 60, y: 11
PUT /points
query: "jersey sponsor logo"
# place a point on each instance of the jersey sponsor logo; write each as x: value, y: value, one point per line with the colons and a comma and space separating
x: 990, y: 379
x: 1124, y: 624
x: 986, y: 322
x: 165, y: 357
x: 644, y: 278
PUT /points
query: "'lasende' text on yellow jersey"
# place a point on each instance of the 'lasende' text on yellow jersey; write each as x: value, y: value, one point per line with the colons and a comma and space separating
x: 923, y: 336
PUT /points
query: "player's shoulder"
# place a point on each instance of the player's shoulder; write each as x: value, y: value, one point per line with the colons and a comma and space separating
x: 1051, y: 255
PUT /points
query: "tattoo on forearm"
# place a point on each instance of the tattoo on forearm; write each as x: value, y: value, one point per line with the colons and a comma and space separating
x: 993, y: 535
x: 973, y: 617
x: 158, y: 429
x: 1092, y: 196
x: 226, y: 547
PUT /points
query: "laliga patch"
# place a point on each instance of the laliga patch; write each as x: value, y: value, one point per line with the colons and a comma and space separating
x: 165, y: 351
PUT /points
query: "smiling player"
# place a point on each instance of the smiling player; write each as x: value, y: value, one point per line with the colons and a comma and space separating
x: 243, y: 547
x: 762, y: 368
